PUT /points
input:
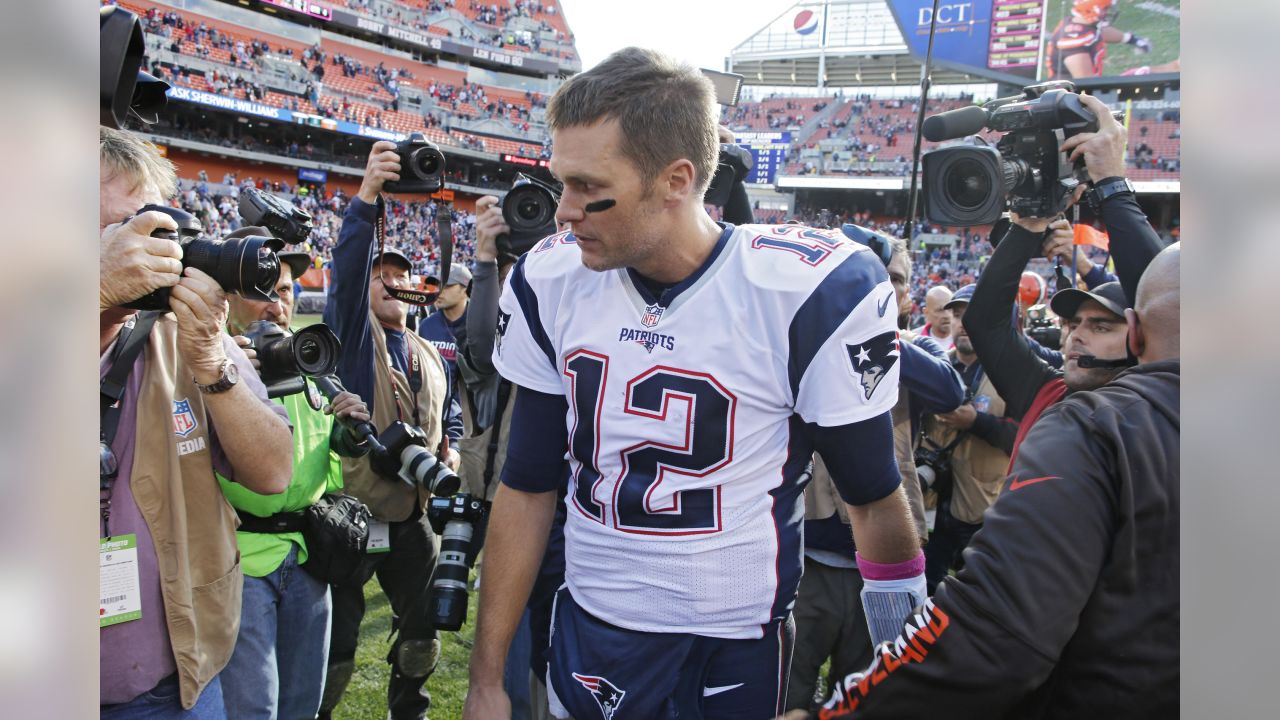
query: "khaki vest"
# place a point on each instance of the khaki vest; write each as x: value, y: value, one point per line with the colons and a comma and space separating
x: 978, y: 468
x: 821, y: 500
x: 393, y: 500
x: 191, y: 522
x: 475, y: 450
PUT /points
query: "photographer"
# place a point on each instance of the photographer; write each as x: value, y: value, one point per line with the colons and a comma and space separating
x: 402, y: 377
x: 975, y: 439
x: 278, y: 667
x: 189, y: 405
x: 1028, y: 383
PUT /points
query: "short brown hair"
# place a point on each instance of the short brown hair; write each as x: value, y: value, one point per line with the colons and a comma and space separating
x: 666, y: 110
x: 127, y: 154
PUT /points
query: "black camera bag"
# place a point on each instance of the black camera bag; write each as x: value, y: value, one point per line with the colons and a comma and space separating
x: 337, y: 535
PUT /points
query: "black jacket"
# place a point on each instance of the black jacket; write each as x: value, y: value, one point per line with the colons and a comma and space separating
x: 1067, y: 606
x: 1016, y: 370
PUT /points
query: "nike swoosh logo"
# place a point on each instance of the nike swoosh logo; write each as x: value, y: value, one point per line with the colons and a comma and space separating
x: 708, y: 692
x: 881, y: 307
x: 1023, y: 483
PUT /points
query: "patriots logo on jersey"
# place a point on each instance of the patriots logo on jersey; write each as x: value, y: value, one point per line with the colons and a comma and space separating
x: 607, y: 696
x: 873, y: 359
x: 652, y: 315
x: 504, y: 319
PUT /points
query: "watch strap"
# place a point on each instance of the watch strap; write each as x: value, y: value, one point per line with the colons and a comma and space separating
x: 1105, y: 189
x: 226, y: 380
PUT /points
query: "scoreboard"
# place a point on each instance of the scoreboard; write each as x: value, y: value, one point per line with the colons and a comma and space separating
x: 768, y: 154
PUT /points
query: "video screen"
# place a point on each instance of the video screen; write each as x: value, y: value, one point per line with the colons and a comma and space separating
x: 1095, y: 38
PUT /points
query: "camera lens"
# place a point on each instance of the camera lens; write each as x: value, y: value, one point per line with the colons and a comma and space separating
x: 968, y: 185
x: 315, y: 350
x: 425, y: 162
x: 528, y: 209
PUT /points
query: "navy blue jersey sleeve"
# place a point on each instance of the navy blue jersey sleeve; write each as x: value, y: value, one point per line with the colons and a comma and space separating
x: 927, y: 374
x: 346, y: 310
x: 1097, y: 275
x: 537, y: 442
x: 855, y: 455
x: 1053, y: 357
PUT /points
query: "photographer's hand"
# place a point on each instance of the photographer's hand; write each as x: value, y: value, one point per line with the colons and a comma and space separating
x: 1061, y: 244
x: 962, y: 418
x: 201, y: 307
x: 348, y: 405
x: 247, y: 345
x: 1103, y: 151
x: 132, y: 263
x: 383, y: 165
x: 489, y: 225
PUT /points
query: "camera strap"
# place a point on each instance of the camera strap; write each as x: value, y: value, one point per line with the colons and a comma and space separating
x: 129, y: 344
x: 444, y: 219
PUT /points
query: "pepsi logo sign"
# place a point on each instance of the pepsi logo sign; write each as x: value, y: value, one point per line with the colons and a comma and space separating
x: 806, y: 22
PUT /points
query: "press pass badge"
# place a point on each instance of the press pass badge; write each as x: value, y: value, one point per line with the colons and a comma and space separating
x: 119, y: 592
x: 379, y: 537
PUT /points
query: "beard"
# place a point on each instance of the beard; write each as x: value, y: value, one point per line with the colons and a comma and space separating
x: 1078, y: 378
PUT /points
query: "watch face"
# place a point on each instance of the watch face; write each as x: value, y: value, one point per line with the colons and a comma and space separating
x: 231, y: 373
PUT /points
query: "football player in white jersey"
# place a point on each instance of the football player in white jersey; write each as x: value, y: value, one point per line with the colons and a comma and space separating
x: 688, y: 370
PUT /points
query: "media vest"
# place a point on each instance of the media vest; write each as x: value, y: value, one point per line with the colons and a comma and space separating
x: 389, y: 499
x: 977, y: 466
x: 191, y: 523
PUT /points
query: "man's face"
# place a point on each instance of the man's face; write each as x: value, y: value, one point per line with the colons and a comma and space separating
x: 1093, y: 330
x: 118, y: 198
x: 938, y: 316
x: 452, y: 296
x: 590, y: 163
x: 241, y: 312
x: 963, y: 344
x: 389, y: 311
x: 900, y: 278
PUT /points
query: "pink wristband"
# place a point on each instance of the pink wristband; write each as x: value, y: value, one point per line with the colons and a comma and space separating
x: 890, y: 571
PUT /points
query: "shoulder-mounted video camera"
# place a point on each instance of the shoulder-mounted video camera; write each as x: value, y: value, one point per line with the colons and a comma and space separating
x: 972, y: 182
x: 286, y: 221
x: 125, y: 90
x: 421, y: 166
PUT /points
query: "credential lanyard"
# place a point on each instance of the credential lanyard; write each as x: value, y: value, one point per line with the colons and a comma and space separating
x: 129, y: 343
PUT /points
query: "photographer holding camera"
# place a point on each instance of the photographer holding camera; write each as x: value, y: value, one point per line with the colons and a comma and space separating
x: 278, y: 667
x: 402, y: 377
x: 1093, y: 343
x: 180, y: 402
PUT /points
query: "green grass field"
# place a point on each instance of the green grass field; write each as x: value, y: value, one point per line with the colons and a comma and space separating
x: 1137, y: 16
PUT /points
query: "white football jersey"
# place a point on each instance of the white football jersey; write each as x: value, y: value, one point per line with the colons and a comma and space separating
x: 684, y: 509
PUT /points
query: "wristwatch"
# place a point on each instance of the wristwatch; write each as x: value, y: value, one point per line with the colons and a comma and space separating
x: 1105, y: 188
x: 229, y: 377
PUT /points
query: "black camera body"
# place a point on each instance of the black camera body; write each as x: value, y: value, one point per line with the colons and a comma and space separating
x: 288, y: 222
x: 404, y: 455
x: 454, y: 519
x: 284, y: 358
x: 972, y: 182
x: 247, y: 266
x: 529, y: 209
x: 1042, y: 329
x: 731, y: 168
x: 421, y: 166
x: 933, y: 467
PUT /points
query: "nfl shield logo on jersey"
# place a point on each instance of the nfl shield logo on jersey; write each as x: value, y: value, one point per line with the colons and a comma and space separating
x: 184, y: 421
x: 873, y: 359
x: 607, y: 696
x: 652, y: 315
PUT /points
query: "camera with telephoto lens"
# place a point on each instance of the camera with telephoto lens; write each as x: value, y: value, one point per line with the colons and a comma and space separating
x: 288, y: 222
x: 404, y: 455
x: 529, y: 209
x: 1042, y: 329
x: 421, y: 166
x: 454, y: 520
x: 247, y: 266
x: 933, y: 467
x: 971, y: 182
x: 284, y: 358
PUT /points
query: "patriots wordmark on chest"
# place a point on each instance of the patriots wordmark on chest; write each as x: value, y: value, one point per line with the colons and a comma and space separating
x: 652, y: 315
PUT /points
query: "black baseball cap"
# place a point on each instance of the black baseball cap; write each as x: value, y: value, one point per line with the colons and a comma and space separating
x: 297, y: 260
x: 392, y: 255
x: 1109, y: 295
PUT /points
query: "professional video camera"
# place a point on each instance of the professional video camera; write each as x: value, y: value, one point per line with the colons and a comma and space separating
x: 971, y: 183
x: 125, y: 90
x: 1042, y: 329
x: 247, y: 265
x: 285, y: 358
x: 288, y: 222
x: 454, y: 520
x: 529, y: 209
x: 421, y: 166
